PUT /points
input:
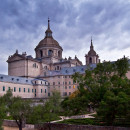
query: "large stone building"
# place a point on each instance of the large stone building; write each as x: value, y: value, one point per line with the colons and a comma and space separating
x: 37, y: 77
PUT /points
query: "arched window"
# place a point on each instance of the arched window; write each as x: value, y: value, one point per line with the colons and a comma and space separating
x: 50, y: 53
x: 59, y: 54
x: 41, y: 53
x: 90, y: 60
x: 58, y: 67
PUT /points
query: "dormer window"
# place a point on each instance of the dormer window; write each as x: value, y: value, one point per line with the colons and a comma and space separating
x: 74, y: 70
x: 66, y: 71
x: 82, y: 69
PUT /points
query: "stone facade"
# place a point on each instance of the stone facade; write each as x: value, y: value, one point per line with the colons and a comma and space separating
x: 37, y: 77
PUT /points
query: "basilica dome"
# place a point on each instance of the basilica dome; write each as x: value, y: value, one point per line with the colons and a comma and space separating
x: 48, y: 42
x: 48, y: 47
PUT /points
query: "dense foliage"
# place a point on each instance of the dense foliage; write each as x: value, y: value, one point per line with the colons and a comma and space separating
x: 105, y: 89
x: 47, y: 112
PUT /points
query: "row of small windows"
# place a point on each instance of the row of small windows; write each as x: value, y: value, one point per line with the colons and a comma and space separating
x: 65, y: 93
x: 41, y: 82
x: 69, y: 87
x: 65, y: 76
x: 24, y: 89
x: 63, y: 83
x: 74, y: 70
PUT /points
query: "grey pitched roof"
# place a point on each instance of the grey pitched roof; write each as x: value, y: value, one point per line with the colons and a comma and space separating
x: 18, y: 80
x: 71, y: 70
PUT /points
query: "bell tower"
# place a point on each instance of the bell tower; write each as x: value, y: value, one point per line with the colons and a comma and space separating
x: 92, y: 57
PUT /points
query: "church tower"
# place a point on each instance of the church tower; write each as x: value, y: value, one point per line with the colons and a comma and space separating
x: 48, y: 49
x: 92, y: 57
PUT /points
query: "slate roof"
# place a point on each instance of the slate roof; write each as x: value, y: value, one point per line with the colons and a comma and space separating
x: 71, y: 70
x: 18, y: 80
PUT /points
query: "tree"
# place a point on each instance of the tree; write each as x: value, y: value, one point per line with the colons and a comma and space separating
x: 47, y: 112
x: 112, y: 106
x: 2, y: 113
x: 36, y: 115
x: 52, y: 107
x: 106, y: 84
x: 4, y: 100
x: 19, y: 109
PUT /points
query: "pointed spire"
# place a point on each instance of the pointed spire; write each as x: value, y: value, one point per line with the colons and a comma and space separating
x: 48, y: 31
x: 48, y: 23
x: 16, y: 52
x: 91, y: 47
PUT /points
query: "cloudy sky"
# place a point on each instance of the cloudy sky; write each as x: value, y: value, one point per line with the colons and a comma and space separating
x: 73, y: 22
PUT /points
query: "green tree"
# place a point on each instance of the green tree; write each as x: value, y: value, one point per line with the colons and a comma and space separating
x: 97, y: 85
x: 47, y: 112
x: 52, y: 107
x: 113, y: 106
x: 19, y: 109
x: 4, y: 101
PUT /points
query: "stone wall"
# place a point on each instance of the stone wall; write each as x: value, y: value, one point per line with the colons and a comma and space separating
x: 55, y: 126
x: 11, y: 123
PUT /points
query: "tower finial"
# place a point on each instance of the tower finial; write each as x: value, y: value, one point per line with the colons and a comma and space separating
x: 48, y: 23
x: 48, y: 31
x: 91, y: 47
x: 91, y: 41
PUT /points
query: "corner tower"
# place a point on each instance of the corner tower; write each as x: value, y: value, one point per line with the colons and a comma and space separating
x: 48, y: 48
x: 92, y: 57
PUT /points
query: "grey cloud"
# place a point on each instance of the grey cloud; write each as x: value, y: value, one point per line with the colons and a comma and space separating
x: 23, y: 23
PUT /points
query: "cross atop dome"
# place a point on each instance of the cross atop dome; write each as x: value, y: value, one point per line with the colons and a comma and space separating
x: 48, y: 31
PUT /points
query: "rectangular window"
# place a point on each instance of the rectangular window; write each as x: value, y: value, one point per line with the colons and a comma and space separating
x: 28, y: 90
x: 14, y: 89
x: 65, y: 76
x: 58, y: 82
x: 65, y: 82
x: 45, y: 90
x: 35, y: 90
x: 69, y: 82
x: 65, y: 87
x: 69, y: 87
x: 32, y: 90
x: 19, y: 89
x: 3, y: 88
x: 41, y: 90
x: 49, y: 94
x: 69, y: 93
x: 53, y: 83
x: 65, y: 94
x: 24, y: 90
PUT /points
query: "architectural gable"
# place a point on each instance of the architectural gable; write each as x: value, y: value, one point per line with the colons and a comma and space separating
x: 15, y: 57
